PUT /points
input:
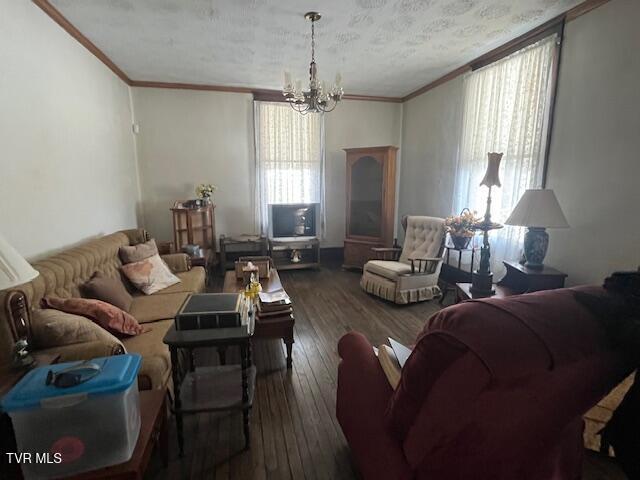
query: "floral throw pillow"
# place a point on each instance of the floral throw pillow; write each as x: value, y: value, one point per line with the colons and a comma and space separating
x: 150, y: 275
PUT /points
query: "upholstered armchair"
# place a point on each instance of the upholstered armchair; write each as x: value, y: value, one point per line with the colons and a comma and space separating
x: 409, y: 274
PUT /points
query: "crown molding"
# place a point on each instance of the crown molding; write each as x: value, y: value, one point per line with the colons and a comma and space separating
x: 56, y: 16
x: 61, y: 20
x: 507, y: 48
x: 261, y: 93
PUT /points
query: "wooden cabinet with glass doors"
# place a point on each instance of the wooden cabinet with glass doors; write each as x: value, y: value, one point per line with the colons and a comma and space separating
x: 371, y: 198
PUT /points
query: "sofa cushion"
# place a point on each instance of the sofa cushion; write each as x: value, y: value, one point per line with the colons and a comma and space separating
x: 150, y: 308
x: 136, y: 253
x: 156, y: 361
x: 192, y: 281
x: 387, y: 268
x: 108, y: 289
x: 83, y: 351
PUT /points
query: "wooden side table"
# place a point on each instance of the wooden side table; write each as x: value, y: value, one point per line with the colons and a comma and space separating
x: 518, y: 280
x: 153, y: 431
x: 521, y: 279
x: 281, y: 251
x: 452, y: 274
x: 214, y: 388
x: 7, y: 437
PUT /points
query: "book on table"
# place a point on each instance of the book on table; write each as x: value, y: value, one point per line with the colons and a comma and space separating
x: 212, y: 310
x: 273, y: 304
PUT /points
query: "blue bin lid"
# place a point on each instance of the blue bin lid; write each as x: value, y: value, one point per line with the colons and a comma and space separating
x: 117, y: 374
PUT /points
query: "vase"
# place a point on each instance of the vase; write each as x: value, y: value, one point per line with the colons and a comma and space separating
x: 459, y: 242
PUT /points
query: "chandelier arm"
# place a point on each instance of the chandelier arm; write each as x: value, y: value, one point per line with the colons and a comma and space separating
x: 316, y: 100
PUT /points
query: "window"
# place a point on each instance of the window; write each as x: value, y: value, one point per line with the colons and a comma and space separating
x: 506, y: 109
x: 289, y: 158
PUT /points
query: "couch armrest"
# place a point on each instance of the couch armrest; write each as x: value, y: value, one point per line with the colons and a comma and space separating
x: 177, y: 262
x: 84, y: 350
x: 363, y: 397
x: 424, y: 266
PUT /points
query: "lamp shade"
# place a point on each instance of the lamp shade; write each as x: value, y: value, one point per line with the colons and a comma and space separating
x: 14, y: 270
x: 491, y: 177
x: 538, y: 208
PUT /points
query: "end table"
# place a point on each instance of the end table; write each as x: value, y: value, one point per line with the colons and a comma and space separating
x: 212, y: 388
x: 521, y: 279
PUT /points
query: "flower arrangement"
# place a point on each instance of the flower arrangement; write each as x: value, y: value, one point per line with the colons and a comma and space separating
x: 205, y: 190
x: 461, y: 227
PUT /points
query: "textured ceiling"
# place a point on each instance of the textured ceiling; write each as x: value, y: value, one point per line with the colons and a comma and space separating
x: 381, y: 47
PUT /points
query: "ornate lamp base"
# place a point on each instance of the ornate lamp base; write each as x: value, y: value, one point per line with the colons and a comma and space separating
x: 482, y: 284
x: 536, y: 242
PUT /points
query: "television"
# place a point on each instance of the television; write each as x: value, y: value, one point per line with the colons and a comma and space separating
x: 293, y: 220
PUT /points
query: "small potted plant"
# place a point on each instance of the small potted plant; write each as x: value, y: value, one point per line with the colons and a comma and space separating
x: 461, y: 228
x: 205, y: 191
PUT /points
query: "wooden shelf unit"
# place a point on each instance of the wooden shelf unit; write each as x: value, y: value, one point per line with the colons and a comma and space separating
x: 195, y: 226
x: 280, y: 250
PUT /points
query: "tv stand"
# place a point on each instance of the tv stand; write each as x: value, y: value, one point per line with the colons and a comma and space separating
x: 282, y: 251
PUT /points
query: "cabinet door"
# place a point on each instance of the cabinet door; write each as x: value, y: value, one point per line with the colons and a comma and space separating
x: 364, y: 209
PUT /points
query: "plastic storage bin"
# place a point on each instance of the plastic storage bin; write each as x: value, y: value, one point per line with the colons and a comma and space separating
x: 72, y: 430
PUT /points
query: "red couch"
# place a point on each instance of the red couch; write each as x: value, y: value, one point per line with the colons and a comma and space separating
x: 494, y: 389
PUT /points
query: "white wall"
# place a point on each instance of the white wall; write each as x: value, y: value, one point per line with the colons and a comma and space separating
x: 67, y: 160
x: 188, y: 137
x: 594, y: 165
x: 431, y: 132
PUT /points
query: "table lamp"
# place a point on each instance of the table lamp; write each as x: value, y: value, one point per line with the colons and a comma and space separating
x: 538, y: 209
x: 14, y: 271
x: 482, y: 278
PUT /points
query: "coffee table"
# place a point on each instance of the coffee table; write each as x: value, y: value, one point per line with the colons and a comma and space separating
x: 274, y: 327
x: 211, y: 388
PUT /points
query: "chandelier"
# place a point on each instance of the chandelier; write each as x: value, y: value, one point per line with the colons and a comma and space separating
x: 320, y: 98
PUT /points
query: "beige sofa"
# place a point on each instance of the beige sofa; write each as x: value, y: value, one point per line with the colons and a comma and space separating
x: 62, y: 275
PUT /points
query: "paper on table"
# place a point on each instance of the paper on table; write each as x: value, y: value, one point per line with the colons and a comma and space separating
x: 273, y: 297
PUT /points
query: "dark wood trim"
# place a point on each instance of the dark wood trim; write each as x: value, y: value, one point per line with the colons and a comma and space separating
x: 189, y: 86
x: 381, y: 148
x: 547, y: 28
x: 555, y: 80
x: 61, y: 20
x: 372, y: 98
x: 553, y: 26
x: 584, y: 7
x: 268, y: 96
x: 259, y: 94
x: 444, y: 79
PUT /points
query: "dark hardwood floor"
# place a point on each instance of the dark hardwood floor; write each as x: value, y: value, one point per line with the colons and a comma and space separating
x: 294, y: 432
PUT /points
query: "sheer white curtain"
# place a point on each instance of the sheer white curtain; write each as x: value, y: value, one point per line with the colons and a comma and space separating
x: 506, y: 109
x: 289, y: 159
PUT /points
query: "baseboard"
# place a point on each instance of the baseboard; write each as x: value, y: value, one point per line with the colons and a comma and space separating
x: 331, y: 255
